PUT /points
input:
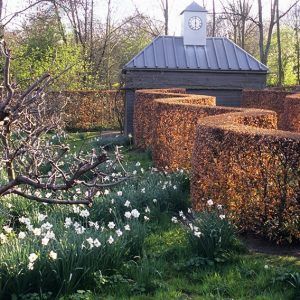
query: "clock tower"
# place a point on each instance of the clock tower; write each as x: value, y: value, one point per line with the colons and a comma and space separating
x: 193, y: 27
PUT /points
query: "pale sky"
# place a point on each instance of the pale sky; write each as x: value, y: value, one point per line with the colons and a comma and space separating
x: 122, y: 8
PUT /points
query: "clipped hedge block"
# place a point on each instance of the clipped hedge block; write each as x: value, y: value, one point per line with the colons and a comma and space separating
x: 237, y: 156
x: 165, y: 122
x: 291, y: 113
x: 88, y: 110
x: 252, y: 171
x: 280, y: 101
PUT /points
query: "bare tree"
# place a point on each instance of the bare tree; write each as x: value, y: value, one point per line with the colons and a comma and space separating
x: 214, y: 19
x: 165, y: 8
x: 37, y: 167
x: 238, y: 13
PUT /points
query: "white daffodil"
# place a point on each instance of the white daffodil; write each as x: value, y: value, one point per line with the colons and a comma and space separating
x: 76, y: 209
x: 84, y: 213
x: 135, y: 213
x: 53, y: 255
x: 41, y: 217
x: 45, y: 241
x: 21, y: 235
x: 7, y: 229
x: 3, y: 238
x: 119, y: 232
x: 174, y: 220
x: 111, y: 225
x: 46, y: 226
x: 48, y: 195
x: 68, y: 222
x: 210, y: 202
x: 110, y: 240
x: 127, y: 214
x: 127, y: 203
x: 37, y: 231
x: 197, y: 234
x: 32, y: 257
x: 97, y: 244
x: 24, y: 220
x: 91, y: 242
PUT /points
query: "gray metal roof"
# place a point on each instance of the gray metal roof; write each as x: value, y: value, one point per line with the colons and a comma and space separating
x: 194, y: 7
x: 219, y: 54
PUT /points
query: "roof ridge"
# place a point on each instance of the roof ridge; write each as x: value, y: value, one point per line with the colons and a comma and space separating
x: 194, y: 7
x: 169, y: 52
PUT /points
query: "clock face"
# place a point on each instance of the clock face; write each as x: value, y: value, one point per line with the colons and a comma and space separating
x: 195, y: 23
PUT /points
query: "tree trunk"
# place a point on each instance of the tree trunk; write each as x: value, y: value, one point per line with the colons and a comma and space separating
x: 261, y: 31
x: 270, y: 32
x: 280, y: 68
x: 297, y: 44
x: 1, y: 16
x: 92, y: 32
x: 214, y: 19
x: 166, y: 16
x: 59, y: 21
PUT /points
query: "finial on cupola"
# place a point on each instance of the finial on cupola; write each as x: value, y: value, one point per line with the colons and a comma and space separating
x: 194, y: 25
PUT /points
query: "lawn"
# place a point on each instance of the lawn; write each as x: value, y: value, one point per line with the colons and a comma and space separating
x: 139, y: 240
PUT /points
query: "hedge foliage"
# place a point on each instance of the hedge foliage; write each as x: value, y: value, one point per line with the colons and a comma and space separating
x: 254, y: 172
x: 237, y: 157
x: 291, y: 115
x: 165, y: 122
x: 89, y: 110
x: 284, y: 103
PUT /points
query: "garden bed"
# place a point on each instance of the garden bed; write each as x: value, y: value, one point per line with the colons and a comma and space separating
x: 139, y: 240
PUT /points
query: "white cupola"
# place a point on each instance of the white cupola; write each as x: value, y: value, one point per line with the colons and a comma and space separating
x: 193, y: 27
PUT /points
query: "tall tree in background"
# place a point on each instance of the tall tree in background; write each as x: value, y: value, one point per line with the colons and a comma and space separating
x: 165, y: 8
x: 296, y: 26
x: 279, y: 51
x: 214, y: 18
x: 1, y: 14
x: 264, y: 45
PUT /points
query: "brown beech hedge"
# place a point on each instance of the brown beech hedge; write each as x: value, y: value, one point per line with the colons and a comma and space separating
x: 285, y: 104
x: 237, y: 157
x: 89, y: 110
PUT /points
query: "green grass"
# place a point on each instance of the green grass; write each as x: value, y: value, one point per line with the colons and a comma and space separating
x: 245, y: 276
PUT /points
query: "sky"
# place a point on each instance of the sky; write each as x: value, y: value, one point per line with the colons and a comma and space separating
x: 152, y: 8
